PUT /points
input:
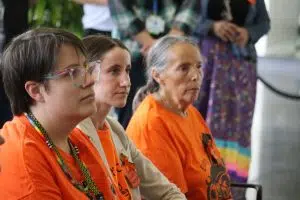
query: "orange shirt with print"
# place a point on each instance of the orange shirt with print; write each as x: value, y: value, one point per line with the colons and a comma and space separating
x: 182, y: 148
x: 114, y: 162
x: 30, y: 169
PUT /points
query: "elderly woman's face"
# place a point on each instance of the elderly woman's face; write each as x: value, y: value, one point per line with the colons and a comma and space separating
x: 182, y: 77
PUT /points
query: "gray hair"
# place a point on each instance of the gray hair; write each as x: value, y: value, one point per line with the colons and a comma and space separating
x: 157, y: 59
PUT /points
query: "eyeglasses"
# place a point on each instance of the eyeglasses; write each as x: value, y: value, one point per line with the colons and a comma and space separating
x: 78, y: 74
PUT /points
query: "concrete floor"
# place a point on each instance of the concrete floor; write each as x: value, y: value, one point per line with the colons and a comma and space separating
x: 276, y: 132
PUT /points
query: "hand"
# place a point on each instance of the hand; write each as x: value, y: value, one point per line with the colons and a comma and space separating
x: 146, y: 46
x: 146, y: 40
x: 226, y: 31
x: 243, y: 37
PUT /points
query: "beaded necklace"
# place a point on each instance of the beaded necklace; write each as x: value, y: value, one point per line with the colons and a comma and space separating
x: 88, y: 186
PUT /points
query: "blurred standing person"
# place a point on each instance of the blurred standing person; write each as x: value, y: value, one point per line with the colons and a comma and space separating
x: 228, y: 31
x: 15, y: 18
x: 139, y: 23
x: 96, y: 18
x: 15, y: 22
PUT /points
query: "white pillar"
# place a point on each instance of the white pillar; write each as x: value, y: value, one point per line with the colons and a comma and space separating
x: 282, y: 38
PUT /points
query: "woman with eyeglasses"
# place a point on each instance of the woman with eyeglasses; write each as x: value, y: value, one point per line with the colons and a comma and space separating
x: 131, y: 170
x: 50, y: 87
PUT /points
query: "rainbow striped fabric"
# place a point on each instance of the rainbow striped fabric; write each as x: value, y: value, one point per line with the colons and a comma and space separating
x: 236, y: 158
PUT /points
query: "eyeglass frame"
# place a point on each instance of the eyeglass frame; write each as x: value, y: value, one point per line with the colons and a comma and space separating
x: 70, y: 71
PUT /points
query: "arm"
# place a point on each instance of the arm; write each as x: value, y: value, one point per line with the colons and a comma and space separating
x: 186, y: 18
x: 101, y: 2
x: 205, y: 26
x: 261, y: 23
x: 146, y: 40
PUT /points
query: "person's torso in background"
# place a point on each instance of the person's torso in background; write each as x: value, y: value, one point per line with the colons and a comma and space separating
x: 237, y: 10
x: 97, y: 17
x: 166, y: 9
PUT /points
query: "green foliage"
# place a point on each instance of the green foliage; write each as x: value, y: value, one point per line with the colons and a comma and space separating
x: 57, y: 13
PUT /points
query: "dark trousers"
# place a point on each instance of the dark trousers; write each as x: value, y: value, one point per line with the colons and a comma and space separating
x: 138, y: 79
x: 91, y: 31
x: 15, y: 18
x: 14, y: 23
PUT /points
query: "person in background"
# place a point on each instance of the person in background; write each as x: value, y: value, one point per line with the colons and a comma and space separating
x: 227, y: 33
x: 14, y: 23
x: 138, y: 25
x: 169, y: 130
x: 96, y: 18
x: 132, y: 171
x: 50, y: 88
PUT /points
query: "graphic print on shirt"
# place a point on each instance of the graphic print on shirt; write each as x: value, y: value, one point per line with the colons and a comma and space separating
x: 131, y: 175
x: 218, y: 183
x: 118, y: 172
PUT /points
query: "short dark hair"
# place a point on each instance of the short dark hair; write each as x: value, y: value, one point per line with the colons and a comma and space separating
x: 29, y: 57
x: 98, y: 45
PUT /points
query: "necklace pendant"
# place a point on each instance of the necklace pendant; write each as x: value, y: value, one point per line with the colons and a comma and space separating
x: 49, y: 144
x: 76, y: 150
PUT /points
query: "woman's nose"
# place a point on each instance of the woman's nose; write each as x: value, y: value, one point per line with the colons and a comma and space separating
x: 197, y: 74
x: 89, y: 80
x: 125, y: 82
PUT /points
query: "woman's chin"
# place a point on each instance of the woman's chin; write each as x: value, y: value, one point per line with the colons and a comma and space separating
x: 119, y: 104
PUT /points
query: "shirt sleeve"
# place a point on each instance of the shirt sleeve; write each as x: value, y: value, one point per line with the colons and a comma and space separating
x: 187, y: 16
x: 261, y: 23
x: 123, y: 15
x: 155, y: 143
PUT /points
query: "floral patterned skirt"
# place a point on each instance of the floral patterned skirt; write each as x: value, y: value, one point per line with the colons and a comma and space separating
x: 226, y: 100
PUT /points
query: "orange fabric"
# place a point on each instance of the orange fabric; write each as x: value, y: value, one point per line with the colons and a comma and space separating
x: 114, y: 162
x: 252, y: 2
x: 30, y: 169
x: 182, y: 148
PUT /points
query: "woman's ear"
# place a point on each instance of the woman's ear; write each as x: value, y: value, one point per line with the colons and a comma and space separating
x: 157, y: 76
x: 35, y: 90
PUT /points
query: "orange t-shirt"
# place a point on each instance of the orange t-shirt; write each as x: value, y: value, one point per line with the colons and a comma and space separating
x: 30, y: 169
x: 182, y: 148
x: 114, y: 162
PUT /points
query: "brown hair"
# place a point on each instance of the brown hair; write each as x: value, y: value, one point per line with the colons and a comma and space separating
x: 98, y: 45
x: 29, y: 57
